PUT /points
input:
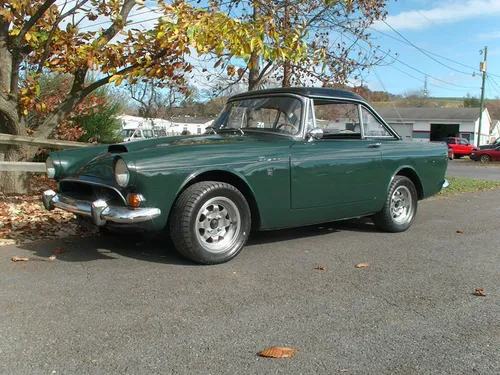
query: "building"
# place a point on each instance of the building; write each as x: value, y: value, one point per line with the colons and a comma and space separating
x: 191, y: 125
x: 174, y: 126
x: 495, y: 130
x: 433, y: 124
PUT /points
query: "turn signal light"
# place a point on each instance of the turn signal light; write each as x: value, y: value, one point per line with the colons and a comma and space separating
x: 134, y: 200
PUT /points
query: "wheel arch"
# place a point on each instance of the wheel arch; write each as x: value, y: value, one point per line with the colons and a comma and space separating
x: 230, y: 177
x: 411, y: 174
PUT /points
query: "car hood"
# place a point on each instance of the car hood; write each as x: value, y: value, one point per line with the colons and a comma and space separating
x: 170, y: 152
x: 486, y: 147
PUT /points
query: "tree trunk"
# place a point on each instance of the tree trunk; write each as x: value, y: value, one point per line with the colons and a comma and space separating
x: 253, y: 74
x: 287, y: 71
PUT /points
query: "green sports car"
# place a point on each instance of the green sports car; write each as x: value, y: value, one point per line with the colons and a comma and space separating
x: 272, y: 159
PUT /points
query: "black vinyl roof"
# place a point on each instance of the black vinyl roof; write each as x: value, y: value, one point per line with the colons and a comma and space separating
x: 312, y: 92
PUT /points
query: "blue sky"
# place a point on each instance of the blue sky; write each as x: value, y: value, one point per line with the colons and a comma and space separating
x: 455, y: 29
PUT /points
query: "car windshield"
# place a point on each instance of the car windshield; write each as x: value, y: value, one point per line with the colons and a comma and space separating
x: 279, y: 114
x: 147, y: 133
x: 126, y: 133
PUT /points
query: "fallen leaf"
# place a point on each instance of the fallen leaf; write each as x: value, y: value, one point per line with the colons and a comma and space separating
x: 18, y: 259
x: 320, y: 268
x: 460, y: 231
x: 59, y: 250
x: 361, y: 265
x: 479, y: 292
x: 278, y: 352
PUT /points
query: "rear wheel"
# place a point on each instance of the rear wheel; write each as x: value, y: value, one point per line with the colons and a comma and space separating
x: 210, y: 222
x: 485, y: 158
x: 400, y: 206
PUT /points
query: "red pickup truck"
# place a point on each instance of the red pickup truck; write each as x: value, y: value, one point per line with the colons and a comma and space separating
x: 460, y: 146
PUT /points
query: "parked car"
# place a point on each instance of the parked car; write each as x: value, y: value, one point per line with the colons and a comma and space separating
x: 492, y: 145
x: 486, y: 155
x: 136, y: 134
x: 460, y: 146
x: 273, y: 159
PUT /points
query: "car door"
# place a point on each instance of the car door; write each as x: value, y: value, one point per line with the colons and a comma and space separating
x: 495, y: 154
x: 464, y: 147
x: 340, y: 169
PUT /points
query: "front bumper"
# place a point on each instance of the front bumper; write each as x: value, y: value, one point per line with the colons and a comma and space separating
x: 98, y: 211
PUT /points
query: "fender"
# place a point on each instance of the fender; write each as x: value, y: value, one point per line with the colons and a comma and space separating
x: 413, y: 176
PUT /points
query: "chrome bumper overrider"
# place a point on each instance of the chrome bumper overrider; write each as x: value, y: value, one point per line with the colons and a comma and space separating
x: 445, y: 184
x: 98, y: 210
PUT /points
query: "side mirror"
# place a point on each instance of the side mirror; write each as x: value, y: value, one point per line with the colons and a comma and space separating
x: 314, y: 134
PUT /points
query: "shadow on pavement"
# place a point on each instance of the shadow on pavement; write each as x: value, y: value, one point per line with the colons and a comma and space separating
x: 160, y: 249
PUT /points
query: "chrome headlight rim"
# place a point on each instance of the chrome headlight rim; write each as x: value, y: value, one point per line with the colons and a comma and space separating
x: 51, y: 167
x: 121, y: 173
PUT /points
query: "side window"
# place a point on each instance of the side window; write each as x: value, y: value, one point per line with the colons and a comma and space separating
x: 337, y: 119
x: 462, y: 142
x: 373, y: 127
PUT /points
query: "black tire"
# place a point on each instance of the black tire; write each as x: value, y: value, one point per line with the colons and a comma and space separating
x: 195, y: 216
x: 485, y: 158
x: 386, y: 219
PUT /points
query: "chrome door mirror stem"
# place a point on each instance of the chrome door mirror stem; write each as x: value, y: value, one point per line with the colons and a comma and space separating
x: 314, y: 134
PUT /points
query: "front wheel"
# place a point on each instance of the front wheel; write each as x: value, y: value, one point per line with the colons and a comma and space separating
x: 485, y: 158
x: 210, y: 222
x: 400, y: 206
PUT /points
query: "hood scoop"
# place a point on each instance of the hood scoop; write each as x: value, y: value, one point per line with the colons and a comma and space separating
x: 117, y: 149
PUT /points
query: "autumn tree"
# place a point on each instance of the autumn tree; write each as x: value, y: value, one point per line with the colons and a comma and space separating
x: 338, y: 42
x: 39, y: 36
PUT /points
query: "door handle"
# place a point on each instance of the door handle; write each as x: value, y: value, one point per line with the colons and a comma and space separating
x: 374, y: 145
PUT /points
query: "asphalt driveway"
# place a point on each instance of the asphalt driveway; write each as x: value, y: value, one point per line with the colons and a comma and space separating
x: 118, y: 306
x: 467, y: 168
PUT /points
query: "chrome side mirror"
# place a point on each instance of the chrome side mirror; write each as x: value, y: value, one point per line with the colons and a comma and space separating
x: 314, y: 134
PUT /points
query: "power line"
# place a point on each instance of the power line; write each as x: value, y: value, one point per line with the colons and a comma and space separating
x: 475, y: 70
x: 129, y: 18
x: 417, y: 70
x: 424, y: 52
x: 493, y: 84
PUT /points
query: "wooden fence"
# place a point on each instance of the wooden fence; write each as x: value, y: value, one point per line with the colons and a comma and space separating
x: 10, y: 166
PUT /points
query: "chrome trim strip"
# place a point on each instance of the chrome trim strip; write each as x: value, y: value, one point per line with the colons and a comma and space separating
x: 99, y: 211
x: 96, y: 184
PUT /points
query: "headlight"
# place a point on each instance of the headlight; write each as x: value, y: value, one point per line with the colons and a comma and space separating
x: 122, y: 175
x: 51, y: 168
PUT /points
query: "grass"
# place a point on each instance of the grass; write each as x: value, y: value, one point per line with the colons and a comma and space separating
x: 461, y: 185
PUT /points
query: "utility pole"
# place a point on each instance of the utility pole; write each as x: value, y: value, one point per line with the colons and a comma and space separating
x: 482, y: 68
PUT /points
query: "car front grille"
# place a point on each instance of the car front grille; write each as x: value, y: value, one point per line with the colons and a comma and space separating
x: 91, y: 192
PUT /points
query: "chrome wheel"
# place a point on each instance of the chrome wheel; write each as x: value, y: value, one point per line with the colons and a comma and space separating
x: 401, y: 205
x: 218, y: 224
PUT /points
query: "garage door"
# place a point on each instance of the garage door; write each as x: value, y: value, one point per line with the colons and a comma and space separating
x: 404, y: 130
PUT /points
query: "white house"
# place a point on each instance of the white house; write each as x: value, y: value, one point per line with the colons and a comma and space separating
x: 495, y: 130
x: 433, y: 124
x: 193, y: 125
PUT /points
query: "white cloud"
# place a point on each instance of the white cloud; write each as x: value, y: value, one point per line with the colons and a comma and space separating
x: 489, y: 35
x: 445, y: 12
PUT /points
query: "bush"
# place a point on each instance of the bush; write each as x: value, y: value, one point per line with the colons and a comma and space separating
x: 103, y: 125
